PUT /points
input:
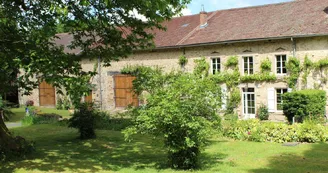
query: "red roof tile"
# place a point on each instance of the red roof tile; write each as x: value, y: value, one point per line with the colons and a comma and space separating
x: 296, y: 18
x: 303, y: 17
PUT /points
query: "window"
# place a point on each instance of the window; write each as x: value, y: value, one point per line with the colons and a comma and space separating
x: 281, y: 64
x: 216, y: 66
x: 279, y: 93
x: 248, y: 65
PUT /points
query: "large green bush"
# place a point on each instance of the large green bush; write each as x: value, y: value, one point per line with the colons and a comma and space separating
x: 184, y: 113
x: 254, y: 130
x: 304, y: 103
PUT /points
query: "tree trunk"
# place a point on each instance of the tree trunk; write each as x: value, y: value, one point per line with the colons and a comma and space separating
x: 6, y: 140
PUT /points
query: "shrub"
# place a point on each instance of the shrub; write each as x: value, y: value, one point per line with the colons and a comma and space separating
x: 263, y: 112
x: 304, y: 103
x: 41, y: 119
x: 254, y: 130
x: 105, y: 121
x: 184, y: 114
x: 66, y: 104
x: 59, y: 104
x: 84, y: 120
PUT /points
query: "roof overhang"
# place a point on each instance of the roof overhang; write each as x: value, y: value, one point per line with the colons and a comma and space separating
x: 238, y: 41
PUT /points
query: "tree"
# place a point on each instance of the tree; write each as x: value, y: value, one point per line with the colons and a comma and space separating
x: 101, y: 29
x: 184, y: 113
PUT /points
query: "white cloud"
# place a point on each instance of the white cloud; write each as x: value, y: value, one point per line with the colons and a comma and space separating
x: 186, y: 11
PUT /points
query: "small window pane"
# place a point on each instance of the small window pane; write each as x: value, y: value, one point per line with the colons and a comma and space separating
x: 284, y: 70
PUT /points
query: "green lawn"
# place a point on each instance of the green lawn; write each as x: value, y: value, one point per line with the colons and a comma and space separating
x: 58, y: 150
x: 20, y: 113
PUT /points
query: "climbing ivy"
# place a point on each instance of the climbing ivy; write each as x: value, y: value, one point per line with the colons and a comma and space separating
x: 233, y: 100
x: 201, y: 67
x: 183, y: 60
x: 261, y: 77
x: 232, y: 62
x: 294, y: 68
x: 322, y: 63
x: 306, y: 69
x: 266, y: 66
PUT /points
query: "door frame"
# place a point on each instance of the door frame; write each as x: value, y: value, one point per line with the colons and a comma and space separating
x: 245, y: 107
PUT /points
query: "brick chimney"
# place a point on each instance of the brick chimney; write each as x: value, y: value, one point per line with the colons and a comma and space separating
x: 203, y: 18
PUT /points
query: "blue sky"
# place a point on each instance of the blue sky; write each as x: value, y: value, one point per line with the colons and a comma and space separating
x: 211, y: 5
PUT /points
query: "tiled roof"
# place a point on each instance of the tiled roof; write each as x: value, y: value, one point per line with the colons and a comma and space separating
x: 296, y: 18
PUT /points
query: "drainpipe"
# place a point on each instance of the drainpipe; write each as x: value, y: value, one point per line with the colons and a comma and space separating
x: 99, y: 82
x: 294, y: 46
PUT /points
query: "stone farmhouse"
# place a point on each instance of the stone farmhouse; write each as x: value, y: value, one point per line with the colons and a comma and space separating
x: 253, y: 34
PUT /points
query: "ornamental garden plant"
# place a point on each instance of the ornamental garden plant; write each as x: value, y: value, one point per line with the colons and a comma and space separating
x: 182, y: 112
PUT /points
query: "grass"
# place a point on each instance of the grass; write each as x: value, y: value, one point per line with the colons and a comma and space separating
x: 59, y: 150
x: 20, y: 113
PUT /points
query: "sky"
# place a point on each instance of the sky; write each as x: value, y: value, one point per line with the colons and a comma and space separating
x: 212, y: 5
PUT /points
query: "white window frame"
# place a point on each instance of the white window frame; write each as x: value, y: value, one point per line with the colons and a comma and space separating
x: 217, y: 70
x: 276, y: 97
x: 281, y: 67
x: 248, y: 116
x: 248, y: 63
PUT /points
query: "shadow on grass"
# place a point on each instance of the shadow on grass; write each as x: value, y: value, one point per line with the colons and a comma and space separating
x: 58, y: 150
x: 311, y: 161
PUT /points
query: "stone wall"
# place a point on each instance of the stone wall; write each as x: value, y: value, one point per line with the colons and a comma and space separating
x: 316, y: 48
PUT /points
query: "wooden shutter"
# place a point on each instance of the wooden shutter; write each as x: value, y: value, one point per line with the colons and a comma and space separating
x: 271, y: 99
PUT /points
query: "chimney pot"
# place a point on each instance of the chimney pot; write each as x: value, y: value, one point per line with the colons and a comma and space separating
x: 203, y: 19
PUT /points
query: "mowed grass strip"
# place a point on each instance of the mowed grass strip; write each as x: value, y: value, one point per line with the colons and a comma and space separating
x: 59, y: 150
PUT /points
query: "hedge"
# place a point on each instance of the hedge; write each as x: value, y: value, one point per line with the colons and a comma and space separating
x: 304, y: 104
x: 254, y: 130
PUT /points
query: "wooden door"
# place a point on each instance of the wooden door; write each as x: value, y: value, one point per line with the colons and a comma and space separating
x: 47, y: 94
x: 124, y: 94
